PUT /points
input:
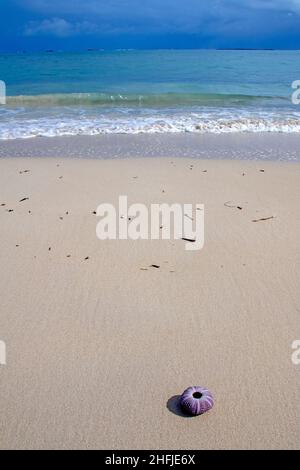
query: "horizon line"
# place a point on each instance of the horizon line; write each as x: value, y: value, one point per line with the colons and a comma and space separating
x: 131, y: 49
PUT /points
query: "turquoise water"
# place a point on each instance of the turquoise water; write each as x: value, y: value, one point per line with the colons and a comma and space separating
x: 148, y: 92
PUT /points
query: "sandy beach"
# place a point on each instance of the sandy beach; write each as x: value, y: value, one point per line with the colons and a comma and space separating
x: 100, y: 344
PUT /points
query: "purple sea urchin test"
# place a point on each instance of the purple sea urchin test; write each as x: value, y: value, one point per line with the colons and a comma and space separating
x: 196, y: 400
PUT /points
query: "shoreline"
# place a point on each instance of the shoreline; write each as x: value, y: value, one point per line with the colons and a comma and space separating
x: 264, y: 146
x: 88, y: 321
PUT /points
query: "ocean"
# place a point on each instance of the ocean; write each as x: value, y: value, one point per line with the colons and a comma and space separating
x: 146, y: 92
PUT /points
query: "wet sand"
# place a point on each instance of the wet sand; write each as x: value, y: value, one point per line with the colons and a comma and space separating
x: 100, y: 343
x: 231, y: 146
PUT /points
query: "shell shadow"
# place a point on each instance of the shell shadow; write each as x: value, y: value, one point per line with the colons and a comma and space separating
x: 173, y: 405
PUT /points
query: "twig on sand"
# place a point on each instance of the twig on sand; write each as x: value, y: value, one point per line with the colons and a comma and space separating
x: 188, y: 240
x: 24, y: 199
x: 263, y: 218
x: 228, y: 204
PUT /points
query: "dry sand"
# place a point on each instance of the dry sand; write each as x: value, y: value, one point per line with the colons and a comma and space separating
x: 97, y: 348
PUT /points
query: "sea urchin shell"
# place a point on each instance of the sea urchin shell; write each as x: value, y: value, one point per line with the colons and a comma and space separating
x: 196, y: 400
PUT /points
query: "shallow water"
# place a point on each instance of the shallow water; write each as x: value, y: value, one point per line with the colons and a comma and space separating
x: 148, y: 92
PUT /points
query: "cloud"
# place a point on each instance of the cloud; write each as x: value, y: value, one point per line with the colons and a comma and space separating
x: 281, y: 5
x: 59, y: 27
x: 117, y: 17
x: 232, y: 18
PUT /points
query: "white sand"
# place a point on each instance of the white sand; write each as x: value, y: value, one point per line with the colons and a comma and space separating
x: 97, y: 347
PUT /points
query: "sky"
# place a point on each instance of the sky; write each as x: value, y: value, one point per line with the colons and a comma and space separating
x: 35, y: 25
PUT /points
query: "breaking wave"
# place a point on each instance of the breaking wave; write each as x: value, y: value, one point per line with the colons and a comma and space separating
x: 51, y: 128
x: 99, y: 113
x: 154, y: 99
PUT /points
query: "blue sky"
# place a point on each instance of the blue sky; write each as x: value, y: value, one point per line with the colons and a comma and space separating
x: 110, y: 24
